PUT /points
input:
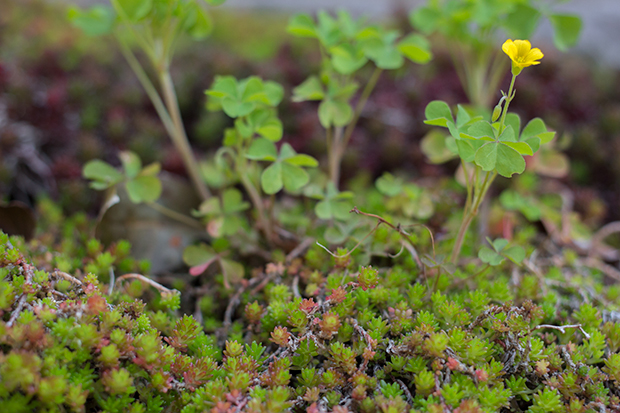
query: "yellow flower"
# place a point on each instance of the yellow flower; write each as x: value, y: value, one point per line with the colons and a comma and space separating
x: 521, y: 54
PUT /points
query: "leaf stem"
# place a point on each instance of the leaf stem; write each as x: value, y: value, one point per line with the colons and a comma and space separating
x: 177, y: 216
x: 179, y: 137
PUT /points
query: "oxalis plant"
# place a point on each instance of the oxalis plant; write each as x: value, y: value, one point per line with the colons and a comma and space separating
x: 155, y: 26
x: 470, y: 30
x: 490, y: 148
x: 347, y: 46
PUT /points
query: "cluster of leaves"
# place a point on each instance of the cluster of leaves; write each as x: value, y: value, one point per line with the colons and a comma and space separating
x: 348, y: 339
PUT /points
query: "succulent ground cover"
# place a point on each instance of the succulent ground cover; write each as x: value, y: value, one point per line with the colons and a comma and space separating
x: 325, y: 279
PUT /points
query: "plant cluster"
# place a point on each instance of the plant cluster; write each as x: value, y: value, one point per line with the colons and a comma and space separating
x: 347, y: 340
x: 398, y: 321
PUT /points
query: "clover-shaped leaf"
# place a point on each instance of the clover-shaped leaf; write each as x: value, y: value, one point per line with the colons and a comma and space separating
x: 302, y: 25
x: 286, y: 171
x: 202, y: 256
x: 261, y: 121
x: 135, y: 9
x: 333, y: 204
x: 96, y: 21
x: 416, y: 48
x: 347, y: 58
x: 503, y: 154
x: 223, y: 214
x: 240, y: 98
x: 142, y: 184
x: 379, y: 46
x: 438, y: 261
x: 103, y: 174
x: 436, y: 147
x: 389, y: 185
x: 438, y: 113
x: 499, y: 252
x: 528, y: 206
x: 335, y: 112
x: 310, y: 89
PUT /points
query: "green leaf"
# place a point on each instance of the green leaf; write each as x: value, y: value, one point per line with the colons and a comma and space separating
x: 302, y: 25
x: 438, y: 113
x: 435, y: 147
x: 467, y: 150
x: 389, y: 185
x: 534, y: 143
x: 566, y: 30
x: 102, y: 172
x: 415, y: 48
x: 144, y: 189
x: 310, y: 89
x: 515, y: 254
x: 136, y: 9
x: 293, y: 177
x: 271, y: 129
x: 521, y: 147
x: 536, y: 127
x: 131, y: 163
x: 262, y: 150
x: 347, y: 59
x: 302, y: 160
x: 96, y: 21
x: 512, y: 119
x: 462, y: 116
x: 232, y: 270
x: 336, y: 113
x: 223, y: 86
x: 425, y: 19
x: 271, y: 178
x: 151, y: 169
x: 522, y: 22
x: 274, y: 92
x: 235, y: 108
x: 499, y: 244
x: 490, y: 257
x: 482, y: 129
x: 232, y: 201
x: 198, y: 254
x: 500, y: 157
x: 202, y: 25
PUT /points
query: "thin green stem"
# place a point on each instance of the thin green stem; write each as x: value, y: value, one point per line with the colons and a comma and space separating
x: 506, y: 104
x: 177, y: 216
x: 148, y: 86
x: 263, y: 219
x: 338, y: 142
x: 335, y: 155
x: 468, y: 185
x: 179, y: 137
x: 361, y: 103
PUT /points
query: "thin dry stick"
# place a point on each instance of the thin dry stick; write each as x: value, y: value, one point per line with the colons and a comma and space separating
x: 23, y: 298
x: 601, y: 234
x: 147, y: 280
x: 67, y: 277
x: 298, y: 250
x: 563, y: 328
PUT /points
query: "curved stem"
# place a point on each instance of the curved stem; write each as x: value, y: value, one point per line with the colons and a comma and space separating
x: 179, y: 137
x: 263, y: 219
x: 148, y: 86
x: 177, y: 216
x: 361, y: 103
